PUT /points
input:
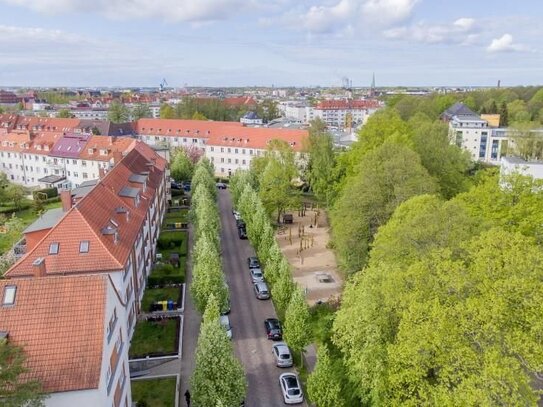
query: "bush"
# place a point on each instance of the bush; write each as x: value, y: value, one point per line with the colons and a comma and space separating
x: 177, y: 192
x: 169, y: 241
x: 10, y: 209
x: 165, y: 280
x: 50, y: 192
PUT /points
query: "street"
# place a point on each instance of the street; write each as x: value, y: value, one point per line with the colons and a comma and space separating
x: 248, y: 315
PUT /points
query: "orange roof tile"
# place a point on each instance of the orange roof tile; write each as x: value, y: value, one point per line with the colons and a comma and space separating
x: 181, y: 128
x: 257, y: 137
x: 96, y: 211
x: 59, y: 322
x: 106, y: 143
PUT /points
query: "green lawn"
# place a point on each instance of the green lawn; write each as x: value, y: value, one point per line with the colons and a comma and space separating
x: 27, y: 216
x: 154, y: 392
x: 178, y: 216
x: 154, y: 337
x: 152, y: 295
x: 182, y: 250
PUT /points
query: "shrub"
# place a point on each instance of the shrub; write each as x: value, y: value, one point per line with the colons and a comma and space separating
x: 169, y: 241
x: 50, y: 192
x: 165, y: 280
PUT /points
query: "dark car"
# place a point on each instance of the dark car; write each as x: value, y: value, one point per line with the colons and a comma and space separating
x: 175, y: 185
x: 240, y: 223
x: 221, y: 185
x: 253, y: 262
x: 242, y: 232
x: 273, y: 329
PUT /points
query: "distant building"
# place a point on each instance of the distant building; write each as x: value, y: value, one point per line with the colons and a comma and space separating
x: 344, y: 113
x: 8, y: 98
x: 250, y: 118
x: 515, y: 165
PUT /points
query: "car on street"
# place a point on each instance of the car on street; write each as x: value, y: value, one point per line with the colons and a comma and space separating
x: 242, y: 232
x: 225, y: 323
x: 236, y: 214
x: 291, y: 388
x: 253, y: 262
x: 240, y: 223
x: 273, y: 329
x: 221, y: 185
x: 262, y: 291
x: 281, y: 352
x: 256, y: 275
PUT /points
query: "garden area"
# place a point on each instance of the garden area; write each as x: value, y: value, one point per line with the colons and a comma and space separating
x: 154, y: 392
x: 176, y: 218
x: 155, y: 338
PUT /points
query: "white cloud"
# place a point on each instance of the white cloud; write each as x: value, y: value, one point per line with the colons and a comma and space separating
x: 169, y: 10
x: 322, y: 19
x: 505, y: 44
x: 461, y: 31
x: 18, y: 35
x: 388, y: 11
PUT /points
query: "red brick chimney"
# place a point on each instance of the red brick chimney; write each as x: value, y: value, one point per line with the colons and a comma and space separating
x: 66, y: 199
x: 38, y: 266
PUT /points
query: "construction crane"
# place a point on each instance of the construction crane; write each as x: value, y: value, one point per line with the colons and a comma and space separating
x: 163, y: 85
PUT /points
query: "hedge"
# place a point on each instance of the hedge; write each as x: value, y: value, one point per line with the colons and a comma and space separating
x: 169, y: 240
x: 50, y: 192
x: 164, y: 280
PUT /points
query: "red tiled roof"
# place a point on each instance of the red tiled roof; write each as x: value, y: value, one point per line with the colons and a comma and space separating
x: 111, y: 144
x: 347, y: 104
x: 257, y: 137
x: 181, y: 128
x: 59, y: 322
x: 240, y: 101
x: 97, y: 210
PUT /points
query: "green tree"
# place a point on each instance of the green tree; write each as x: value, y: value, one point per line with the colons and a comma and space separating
x: 16, y: 194
x: 282, y: 290
x: 268, y: 110
x: 504, y: 115
x: 388, y: 176
x: 167, y: 112
x: 118, y: 112
x: 140, y: 111
x: 65, y: 114
x: 181, y: 166
x: 324, y: 386
x: 297, y: 329
x: 321, y: 174
x: 198, y: 116
x: 217, y: 375
x: 447, y: 163
x: 15, y: 392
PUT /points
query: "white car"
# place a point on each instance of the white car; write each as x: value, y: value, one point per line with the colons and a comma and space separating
x: 225, y: 323
x: 256, y: 275
x: 291, y: 388
x: 281, y: 352
x: 236, y: 214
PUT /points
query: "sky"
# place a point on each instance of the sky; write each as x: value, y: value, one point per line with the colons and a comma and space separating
x: 270, y: 42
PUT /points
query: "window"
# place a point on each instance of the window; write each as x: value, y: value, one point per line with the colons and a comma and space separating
x: 236, y: 151
x: 75, y: 174
x: 237, y: 161
x: 229, y: 161
x: 84, y: 246
x: 83, y: 163
x: 229, y: 150
x: 53, y: 248
x: 111, y: 324
x: 9, y: 295
x: 211, y: 148
x: 222, y: 159
x: 222, y: 149
x: 251, y: 152
x: 85, y: 175
x: 243, y: 162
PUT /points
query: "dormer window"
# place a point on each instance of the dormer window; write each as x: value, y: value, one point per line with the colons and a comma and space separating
x: 84, y: 246
x: 9, y: 295
x: 54, y: 247
x: 90, y: 151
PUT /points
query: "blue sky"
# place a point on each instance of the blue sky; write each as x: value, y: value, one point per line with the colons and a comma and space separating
x: 265, y: 42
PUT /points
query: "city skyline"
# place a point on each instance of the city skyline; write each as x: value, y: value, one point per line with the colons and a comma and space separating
x: 247, y: 43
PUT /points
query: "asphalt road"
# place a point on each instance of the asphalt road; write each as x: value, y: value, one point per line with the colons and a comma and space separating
x: 248, y: 315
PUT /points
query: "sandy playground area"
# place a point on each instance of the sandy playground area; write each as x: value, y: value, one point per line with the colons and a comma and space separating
x: 304, y: 242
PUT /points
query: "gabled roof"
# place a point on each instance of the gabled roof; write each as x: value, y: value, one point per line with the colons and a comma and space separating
x: 458, y: 109
x: 59, y: 322
x: 95, y: 213
x: 257, y: 137
x: 181, y: 128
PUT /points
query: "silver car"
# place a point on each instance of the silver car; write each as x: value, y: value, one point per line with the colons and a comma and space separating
x: 225, y: 323
x: 256, y: 275
x: 281, y: 352
x: 262, y: 291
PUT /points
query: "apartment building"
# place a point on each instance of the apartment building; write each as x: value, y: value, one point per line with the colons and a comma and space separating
x: 474, y: 134
x: 70, y: 330
x: 110, y: 231
x: 344, y: 113
x: 230, y: 151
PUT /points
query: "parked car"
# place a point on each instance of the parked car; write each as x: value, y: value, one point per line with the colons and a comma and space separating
x: 175, y: 185
x: 262, y: 291
x: 237, y: 216
x: 242, y: 232
x: 240, y: 223
x: 253, y: 262
x: 225, y: 323
x: 256, y: 275
x: 281, y: 352
x: 273, y: 329
x: 291, y: 388
x: 221, y: 185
